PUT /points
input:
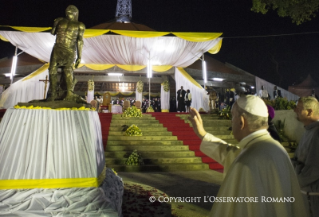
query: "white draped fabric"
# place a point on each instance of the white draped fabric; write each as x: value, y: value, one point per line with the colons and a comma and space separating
x: 165, y: 97
x: 138, y: 96
x: 24, y: 91
x: 200, y: 98
x: 270, y: 88
x: 54, y: 144
x: 104, y: 201
x: 90, y: 95
x: 50, y: 144
x: 117, y: 49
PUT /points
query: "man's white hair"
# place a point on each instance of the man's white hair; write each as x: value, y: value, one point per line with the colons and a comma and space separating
x: 310, y: 102
x: 254, y: 122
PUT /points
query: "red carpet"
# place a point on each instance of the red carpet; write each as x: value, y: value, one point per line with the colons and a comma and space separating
x: 105, y: 119
x: 185, y: 133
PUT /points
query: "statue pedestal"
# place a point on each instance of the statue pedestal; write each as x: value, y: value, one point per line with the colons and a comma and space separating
x: 52, y: 161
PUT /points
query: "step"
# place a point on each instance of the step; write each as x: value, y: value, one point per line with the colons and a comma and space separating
x: 143, y: 128
x: 147, y: 148
x: 133, y: 118
x: 149, y: 133
x: 152, y: 154
x: 143, y: 116
x: 150, y: 143
x: 163, y: 167
x: 135, y: 121
x: 147, y: 138
x: 139, y: 125
x: 157, y: 161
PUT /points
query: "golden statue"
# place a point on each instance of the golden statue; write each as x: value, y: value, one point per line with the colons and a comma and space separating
x: 68, y: 47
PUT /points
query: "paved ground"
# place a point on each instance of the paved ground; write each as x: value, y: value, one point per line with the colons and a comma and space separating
x: 200, y: 184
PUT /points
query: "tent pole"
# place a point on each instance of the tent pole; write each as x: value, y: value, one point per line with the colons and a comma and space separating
x: 149, y: 91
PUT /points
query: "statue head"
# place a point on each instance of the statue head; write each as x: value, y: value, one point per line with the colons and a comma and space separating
x: 72, y: 13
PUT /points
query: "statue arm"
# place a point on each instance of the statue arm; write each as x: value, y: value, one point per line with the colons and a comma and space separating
x: 55, y: 24
x: 80, y: 44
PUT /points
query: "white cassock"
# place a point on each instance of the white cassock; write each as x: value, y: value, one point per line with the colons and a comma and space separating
x: 257, y: 167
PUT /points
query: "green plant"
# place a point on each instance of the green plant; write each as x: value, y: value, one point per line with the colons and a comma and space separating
x: 150, y: 109
x: 281, y: 104
x: 133, y: 130
x: 225, y: 113
x: 132, y: 112
x: 134, y: 159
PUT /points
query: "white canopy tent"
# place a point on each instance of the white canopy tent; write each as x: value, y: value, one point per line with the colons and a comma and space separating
x: 129, y: 50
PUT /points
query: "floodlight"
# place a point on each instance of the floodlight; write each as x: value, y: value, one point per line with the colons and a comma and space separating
x: 218, y: 79
x: 115, y: 74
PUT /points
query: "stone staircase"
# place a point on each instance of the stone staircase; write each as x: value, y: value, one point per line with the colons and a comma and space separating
x: 220, y: 129
x: 160, y: 150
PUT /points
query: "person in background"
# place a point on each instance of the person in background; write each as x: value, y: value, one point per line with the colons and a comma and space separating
x: 306, y: 159
x: 271, y: 126
x: 181, y: 99
x: 263, y: 93
x: 188, y: 100
x: 277, y: 93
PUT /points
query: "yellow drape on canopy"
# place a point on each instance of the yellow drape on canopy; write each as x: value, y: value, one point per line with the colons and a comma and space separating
x: 189, y: 36
x: 31, y: 29
x: 37, y: 72
x: 3, y: 38
x: 131, y: 67
x: 216, y: 48
x: 140, y: 34
x: 152, y: 94
x: 94, y: 32
x: 188, y: 77
x: 161, y: 68
x: 197, y: 36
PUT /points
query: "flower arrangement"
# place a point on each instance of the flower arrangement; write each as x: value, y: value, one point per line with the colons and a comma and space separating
x: 150, y: 109
x: 90, y: 85
x: 132, y: 112
x: 133, y: 130
x: 165, y: 86
x: 225, y: 113
x: 134, y: 159
x: 139, y: 86
x: 39, y: 107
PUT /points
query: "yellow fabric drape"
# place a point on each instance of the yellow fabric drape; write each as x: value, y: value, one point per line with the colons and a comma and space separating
x: 120, y: 93
x: 152, y: 94
x: 165, y: 110
x: 216, y: 48
x: 197, y: 36
x: 53, y: 183
x: 37, y: 72
x: 131, y: 67
x: 99, y: 66
x: 140, y: 34
x: 188, y: 77
x: 31, y: 29
x: 161, y: 68
x: 94, y: 32
x: 4, y: 39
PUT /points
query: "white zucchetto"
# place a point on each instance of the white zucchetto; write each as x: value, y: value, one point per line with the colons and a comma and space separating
x: 253, y: 105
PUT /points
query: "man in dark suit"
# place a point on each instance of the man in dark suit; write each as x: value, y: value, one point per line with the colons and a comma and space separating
x: 181, y: 100
x: 277, y: 93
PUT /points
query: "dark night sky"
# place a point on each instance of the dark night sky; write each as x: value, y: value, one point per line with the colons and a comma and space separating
x: 297, y: 55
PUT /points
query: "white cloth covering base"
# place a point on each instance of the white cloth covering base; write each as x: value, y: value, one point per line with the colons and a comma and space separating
x: 55, y: 144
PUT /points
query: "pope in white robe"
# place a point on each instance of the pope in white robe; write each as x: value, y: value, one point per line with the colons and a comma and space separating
x: 259, y: 178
